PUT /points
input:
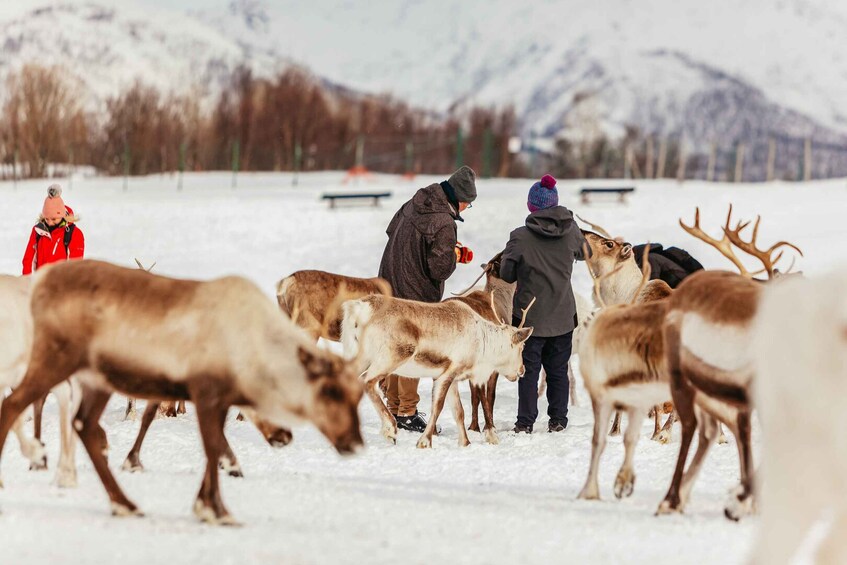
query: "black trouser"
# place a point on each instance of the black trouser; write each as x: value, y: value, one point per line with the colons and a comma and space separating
x: 553, y: 354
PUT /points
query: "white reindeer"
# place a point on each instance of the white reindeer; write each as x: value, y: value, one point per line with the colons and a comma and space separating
x: 16, y: 332
x: 800, y: 350
x: 445, y: 341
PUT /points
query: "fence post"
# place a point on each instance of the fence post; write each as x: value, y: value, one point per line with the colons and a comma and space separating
x: 182, y: 150
x: 739, y: 163
x: 648, y: 166
x: 460, y: 148
x: 126, y: 158
x: 807, y: 160
x: 487, y: 149
x: 680, y: 171
x: 663, y: 157
x: 713, y: 157
x: 236, y: 158
x: 410, y: 156
x: 15, y: 169
x: 298, y: 157
x: 771, y: 158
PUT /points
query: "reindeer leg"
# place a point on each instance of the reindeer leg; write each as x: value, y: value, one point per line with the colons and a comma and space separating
x: 211, y: 415
x: 708, y: 428
x: 30, y: 447
x: 602, y: 411
x: 625, y: 481
x: 721, y: 436
x: 133, y: 458
x: 168, y: 409
x: 459, y: 414
x: 476, y: 393
x: 572, y: 386
x: 37, y: 416
x: 440, y: 386
x: 488, y: 410
x: 228, y: 462
x: 94, y: 439
x: 130, y: 413
x: 274, y: 435
x: 68, y: 396
x: 616, y: 424
x: 389, y: 424
x: 180, y: 407
x: 656, y: 412
x: 741, y: 500
x: 665, y: 435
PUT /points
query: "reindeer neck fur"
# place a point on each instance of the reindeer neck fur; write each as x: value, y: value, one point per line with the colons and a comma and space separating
x: 494, y: 342
x: 620, y: 288
x: 504, y: 294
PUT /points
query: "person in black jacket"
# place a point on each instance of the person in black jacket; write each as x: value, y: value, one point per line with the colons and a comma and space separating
x: 420, y: 255
x: 672, y: 265
x: 540, y: 257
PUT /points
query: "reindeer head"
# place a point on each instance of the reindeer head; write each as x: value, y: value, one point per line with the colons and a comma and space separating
x: 606, y: 252
x: 334, y: 395
x: 510, y: 362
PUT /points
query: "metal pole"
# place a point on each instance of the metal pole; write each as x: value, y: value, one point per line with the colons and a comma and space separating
x: 236, y: 151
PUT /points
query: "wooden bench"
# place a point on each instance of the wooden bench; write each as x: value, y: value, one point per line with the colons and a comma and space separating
x: 620, y: 192
x: 353, y: 196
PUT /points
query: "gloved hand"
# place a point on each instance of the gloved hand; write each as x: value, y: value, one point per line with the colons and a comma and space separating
x: 463, y: 254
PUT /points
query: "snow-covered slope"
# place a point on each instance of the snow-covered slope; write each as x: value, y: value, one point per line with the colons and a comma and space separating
x: 715, y: 70
x: 105, y: 49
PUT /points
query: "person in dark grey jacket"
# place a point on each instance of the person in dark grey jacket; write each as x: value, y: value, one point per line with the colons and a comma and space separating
x: 420, y: 255
x: 540, y: 257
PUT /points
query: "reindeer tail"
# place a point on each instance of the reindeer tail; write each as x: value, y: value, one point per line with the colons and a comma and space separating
x: 282, y: 294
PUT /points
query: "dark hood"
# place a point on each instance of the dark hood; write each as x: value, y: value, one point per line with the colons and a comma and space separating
x: 550, y: 222
x: 432, y: 200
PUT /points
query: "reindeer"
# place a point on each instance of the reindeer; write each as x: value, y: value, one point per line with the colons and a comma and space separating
x: 708, y: 334
x: 612, y: 263
x: 16, y: 332
x: 217, y: 343
x: 800, y: 343
x: 623, y: 365
x: 306, y: 295
x: 446, y: 341
x: 494, y: 303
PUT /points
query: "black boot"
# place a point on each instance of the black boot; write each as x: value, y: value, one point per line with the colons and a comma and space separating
x: 415, y: 423
x: 521, y: 429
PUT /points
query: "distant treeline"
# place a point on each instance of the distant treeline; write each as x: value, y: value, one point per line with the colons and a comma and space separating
x: 290, y: 122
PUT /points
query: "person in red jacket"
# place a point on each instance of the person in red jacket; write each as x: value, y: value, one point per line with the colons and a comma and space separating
x: 56, y: 236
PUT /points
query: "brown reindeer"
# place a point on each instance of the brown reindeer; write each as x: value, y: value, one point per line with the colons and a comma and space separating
x: 306, y: 296
x: 708, y: 335
x: 494, y: 303
x: 216, y: 343
x: 612, y: 263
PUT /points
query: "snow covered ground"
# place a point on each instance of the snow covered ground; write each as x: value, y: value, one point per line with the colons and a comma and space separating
x: 512, y: 503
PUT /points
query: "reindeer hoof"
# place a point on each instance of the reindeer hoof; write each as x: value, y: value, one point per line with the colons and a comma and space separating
x: 473, y: 428
x: 664, y: 437
x: 736, y: 508
x: 390, y: 434
x: 588, y: 494
x: 281, y: 438
x: 121, y: 510
x: 232, y: 468
x: 132, y: 466
x: 207, y: 515
x: 722, y: 439
x: 624, y: 484
x: 464, y: 442
x: 66, y: 478
x: 235, y: 473
x: 424, y: 443
x: 131, y: 415
x: 614, y: 432
x: 40, y: 465
x: 492, y: 437
x: 667, y: 508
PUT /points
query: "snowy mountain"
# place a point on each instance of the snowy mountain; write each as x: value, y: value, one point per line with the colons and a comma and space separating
x: 713, y: 70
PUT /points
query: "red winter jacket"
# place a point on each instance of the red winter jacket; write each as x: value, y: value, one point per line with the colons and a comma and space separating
x: 46, y: 245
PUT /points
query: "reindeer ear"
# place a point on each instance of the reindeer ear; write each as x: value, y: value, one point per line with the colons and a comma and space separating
x: 315, y: 366
x: 521, y: 335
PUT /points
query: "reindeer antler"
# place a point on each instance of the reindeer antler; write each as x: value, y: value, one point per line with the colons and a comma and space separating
x: 749, y: 247
x: 143, y: 268
x: 723, y: 245
x: 494, y: 309
x: 525, y: 311
x: 598, y: 229
x: 485, y: 269
x: 646, y: 269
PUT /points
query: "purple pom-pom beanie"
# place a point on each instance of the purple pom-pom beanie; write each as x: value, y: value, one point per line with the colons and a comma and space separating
x: 543, y: 194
